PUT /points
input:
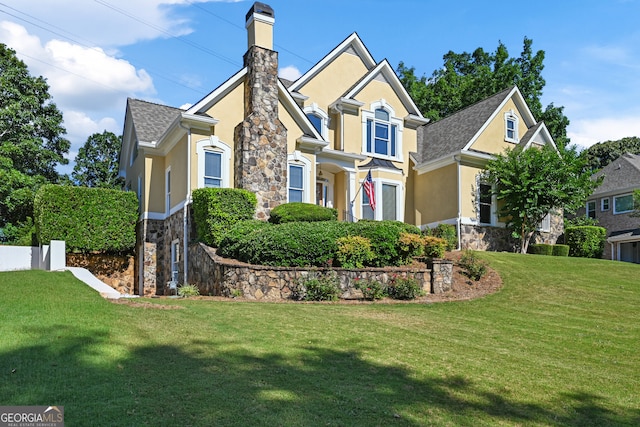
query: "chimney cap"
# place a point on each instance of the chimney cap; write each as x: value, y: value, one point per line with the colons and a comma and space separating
x: 261, y: 8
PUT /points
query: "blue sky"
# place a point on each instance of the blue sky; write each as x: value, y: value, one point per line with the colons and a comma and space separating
x: 96, y: 53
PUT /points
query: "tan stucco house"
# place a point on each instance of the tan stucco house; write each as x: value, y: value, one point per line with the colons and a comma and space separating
x: 313, y: 140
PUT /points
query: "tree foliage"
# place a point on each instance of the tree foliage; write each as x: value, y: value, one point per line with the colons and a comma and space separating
x: 529, y: 184
x: 466, y: 78
x: 31, y: 138
x: 601, y: 154
x: 97, y: 163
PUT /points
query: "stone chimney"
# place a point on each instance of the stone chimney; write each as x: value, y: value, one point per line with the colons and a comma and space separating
x: 261, y: 139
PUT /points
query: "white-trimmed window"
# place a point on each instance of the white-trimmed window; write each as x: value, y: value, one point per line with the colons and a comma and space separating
x: 510, y: 127
x: 213, y: 163
x: 485, y: 203
x: 175, y: 260
x: 318, y: 118
x: 388, y: 196
x: 623, y: 204
x: 604, y: 204
x: 167, y: 183
x: 591, y: 209
x: 545, y: 224
x: 382, y: 133
x: 298, y: 185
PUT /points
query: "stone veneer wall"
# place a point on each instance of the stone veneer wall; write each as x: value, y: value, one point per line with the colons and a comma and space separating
x: 150, y: 236
x: 216, y: 276
x: 261, y: 139
x: 116, y: 271
x: 485, y: 238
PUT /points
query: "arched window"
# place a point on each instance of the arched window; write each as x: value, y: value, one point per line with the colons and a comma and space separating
x: 382, y: 132
x: 318, y: 118
x: 298, y: 178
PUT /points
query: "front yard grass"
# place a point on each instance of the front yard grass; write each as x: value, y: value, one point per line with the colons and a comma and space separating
x: 558, y: 345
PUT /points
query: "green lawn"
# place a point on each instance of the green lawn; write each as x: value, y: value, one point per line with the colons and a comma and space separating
x: 558, y: 345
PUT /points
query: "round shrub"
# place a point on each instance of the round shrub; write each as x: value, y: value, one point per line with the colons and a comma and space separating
x: 315, y: 287
x: 353, y: 251
x: 434, y: 247
x: 404, y: 288
x: 371, y: 289
x: 585, y: 241
x: 305, y: 212
x: 410, y: 246
x: 385, y: 240
x: 449, y: 233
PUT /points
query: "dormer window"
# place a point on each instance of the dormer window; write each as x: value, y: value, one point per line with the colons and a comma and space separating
x: 511, y: 127
x: 382, y: 132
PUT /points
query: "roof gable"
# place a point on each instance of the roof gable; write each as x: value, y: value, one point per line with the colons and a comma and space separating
x: 352, y: 44
x: 149, y: 120
x: 384, y: 72
x: 621, y: 175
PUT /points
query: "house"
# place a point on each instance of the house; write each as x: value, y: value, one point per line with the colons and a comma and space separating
x: 313, y: 140
x: 611, y: 204
x: 452, y: 152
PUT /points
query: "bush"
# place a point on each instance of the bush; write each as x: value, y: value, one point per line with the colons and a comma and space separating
x: 404, y: 288
x: 236, y: 238
x: 585, y: 241
x: 434, y: 247
x: 560, y: 250
x: 540, y: 249
x: 305, y: 212
x: 24, y: 234
x: 385, y: 239
x: 87, y: 219
x: 292, y: 244
x: 371, y: 289
x: 474, y: 268
x: 215, y: 210
x: 188, y: 291
x: 353, y: 251
x: 316, y: 287
x: 449, y: 233
x: 410, y: 246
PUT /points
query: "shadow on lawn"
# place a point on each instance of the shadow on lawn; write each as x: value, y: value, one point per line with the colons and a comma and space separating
x: 165, y: 385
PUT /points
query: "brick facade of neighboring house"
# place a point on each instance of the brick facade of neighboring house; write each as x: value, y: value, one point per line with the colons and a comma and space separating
x: 611, y: 204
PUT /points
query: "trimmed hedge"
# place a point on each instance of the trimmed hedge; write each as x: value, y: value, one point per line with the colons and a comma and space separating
x: 304, y: 244
x: 305, y: 212
x: 540, y: 249
x: 560, y: 250
x: 215, y: 210
x: 585, y: 241
x: 87, y: 219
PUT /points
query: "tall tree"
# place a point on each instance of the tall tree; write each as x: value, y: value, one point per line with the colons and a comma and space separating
x: 601, y: 154
x: 97, y: 163
x: 466, y: 78
x: 31, y: 138
x: 529, y: 184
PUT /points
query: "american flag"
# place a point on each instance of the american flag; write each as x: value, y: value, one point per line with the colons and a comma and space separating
x: 369, y: 191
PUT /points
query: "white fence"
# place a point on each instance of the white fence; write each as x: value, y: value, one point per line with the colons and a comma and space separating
x: 46, y: 257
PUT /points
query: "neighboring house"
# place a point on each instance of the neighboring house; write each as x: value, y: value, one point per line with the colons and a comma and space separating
x: 313, y: 140
x: 612, y: 205
x: 452, y: 153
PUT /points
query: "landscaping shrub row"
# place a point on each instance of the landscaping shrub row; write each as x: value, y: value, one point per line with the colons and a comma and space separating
x: 87, y: 219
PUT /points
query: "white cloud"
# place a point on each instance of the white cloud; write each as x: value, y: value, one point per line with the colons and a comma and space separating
x: 289, y: 73
x: 586, y: 132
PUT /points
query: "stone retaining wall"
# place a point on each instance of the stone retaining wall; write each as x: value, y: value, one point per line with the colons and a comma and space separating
x: 216, y: 276
x: 116, y: 271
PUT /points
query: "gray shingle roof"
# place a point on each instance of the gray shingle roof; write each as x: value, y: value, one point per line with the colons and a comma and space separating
x: 451, y: 134
x: 624, y: 172
x: 151, y: 120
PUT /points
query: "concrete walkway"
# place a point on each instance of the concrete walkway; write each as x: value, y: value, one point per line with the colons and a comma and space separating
x: 103, y: 289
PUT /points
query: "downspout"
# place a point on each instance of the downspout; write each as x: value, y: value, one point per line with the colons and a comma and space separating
x: 185, y: 224
x: 459, y: 218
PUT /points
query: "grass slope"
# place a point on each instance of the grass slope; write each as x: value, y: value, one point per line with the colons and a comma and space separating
x: 558, y: 345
